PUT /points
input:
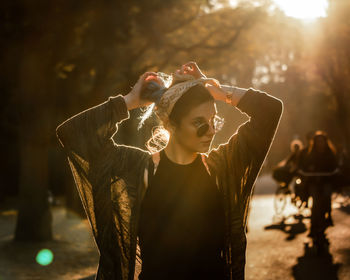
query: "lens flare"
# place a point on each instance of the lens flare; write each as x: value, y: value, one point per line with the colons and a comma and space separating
x: 44, y: 257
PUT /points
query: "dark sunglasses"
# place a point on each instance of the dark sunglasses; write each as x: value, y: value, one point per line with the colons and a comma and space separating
x: 216, y: 122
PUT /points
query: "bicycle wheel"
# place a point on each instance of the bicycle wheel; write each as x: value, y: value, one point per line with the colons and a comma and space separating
x: 280, y: 200
x: 345, y: 193
x: 299, y: 204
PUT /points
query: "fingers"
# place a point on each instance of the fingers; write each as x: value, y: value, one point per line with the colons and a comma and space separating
x: 140, y: 82
x: 134, y: 96
x: 154, y: 77
x: 147, y: 75
x: 185, y: 69
x: 191, y: 64
x: 213, y: 82
x: 188, y: 68
x: 191, y: 68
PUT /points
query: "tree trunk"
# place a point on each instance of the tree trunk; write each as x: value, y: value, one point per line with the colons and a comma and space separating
x: 34, y: 216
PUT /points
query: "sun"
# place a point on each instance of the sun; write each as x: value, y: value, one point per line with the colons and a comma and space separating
x: 303, y: 9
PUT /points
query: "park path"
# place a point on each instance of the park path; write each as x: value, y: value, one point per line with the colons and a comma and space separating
x: 277, y: 251
x: 274, y: 251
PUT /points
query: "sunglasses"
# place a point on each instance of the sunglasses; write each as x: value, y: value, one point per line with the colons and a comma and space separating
x: 216, y: 123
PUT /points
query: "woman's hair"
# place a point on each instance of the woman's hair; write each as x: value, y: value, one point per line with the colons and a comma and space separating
x: 329, y: 147
x: 322, y: 161
x: 192, y: 98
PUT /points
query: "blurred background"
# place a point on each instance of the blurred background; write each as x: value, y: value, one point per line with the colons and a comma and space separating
x: 61, y: 57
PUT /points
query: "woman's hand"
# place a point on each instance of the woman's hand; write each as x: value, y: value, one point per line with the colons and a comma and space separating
x: 213, y: 86
x: 191, y: 68
x: 133, y: 99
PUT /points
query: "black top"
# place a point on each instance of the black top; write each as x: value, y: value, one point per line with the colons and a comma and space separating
x: 181, y: 228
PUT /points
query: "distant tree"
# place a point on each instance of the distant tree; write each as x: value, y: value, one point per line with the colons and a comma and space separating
x: 333, y: 61
x: 287, y: 64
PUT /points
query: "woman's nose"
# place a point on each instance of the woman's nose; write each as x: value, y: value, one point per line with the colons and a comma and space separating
x: 211, y: 130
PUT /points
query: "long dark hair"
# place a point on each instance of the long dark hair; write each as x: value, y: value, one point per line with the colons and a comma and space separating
x: 329, y: 147
x: 321, y: 161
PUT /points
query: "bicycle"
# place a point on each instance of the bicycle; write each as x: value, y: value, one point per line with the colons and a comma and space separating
x: 286, y: 195
x: 321, y: 206
x: 341, y: 195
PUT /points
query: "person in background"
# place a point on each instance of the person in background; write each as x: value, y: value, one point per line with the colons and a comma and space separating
x: 285, y: 170
x: 320, y: 158
x: 296, y: 146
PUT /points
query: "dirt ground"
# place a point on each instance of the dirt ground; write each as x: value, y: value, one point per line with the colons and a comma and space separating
x: 74, y: 251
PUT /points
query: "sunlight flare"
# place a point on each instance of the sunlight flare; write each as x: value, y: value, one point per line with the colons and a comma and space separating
x: 308, y: 10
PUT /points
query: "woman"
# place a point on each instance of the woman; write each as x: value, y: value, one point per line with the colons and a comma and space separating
x: 187, y: 212
x: 320, y: 159
x: 295, y: 148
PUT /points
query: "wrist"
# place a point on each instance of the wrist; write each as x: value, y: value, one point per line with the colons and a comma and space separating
x: 233, y: 94
x: 130, y: 102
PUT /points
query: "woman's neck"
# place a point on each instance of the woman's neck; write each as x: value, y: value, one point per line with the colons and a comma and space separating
x: 178, y: 153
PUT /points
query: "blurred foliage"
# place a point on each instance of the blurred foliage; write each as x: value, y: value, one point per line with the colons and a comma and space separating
x: 60, y: 57
x: 332, y: 61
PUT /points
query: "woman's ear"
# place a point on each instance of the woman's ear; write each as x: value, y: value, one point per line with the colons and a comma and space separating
x: 169, y: 126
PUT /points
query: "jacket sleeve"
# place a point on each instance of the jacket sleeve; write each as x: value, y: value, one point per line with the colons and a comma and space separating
x: 104, y: 172
x: 242, y: 156
x: 87, y: 136
x: 237, y: 164
x: 89, y: 132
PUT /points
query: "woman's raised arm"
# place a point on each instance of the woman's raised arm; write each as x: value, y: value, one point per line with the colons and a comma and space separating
x: 244, y: 153
x: 90, y: 132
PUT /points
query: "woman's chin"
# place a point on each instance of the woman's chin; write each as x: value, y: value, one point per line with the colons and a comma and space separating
x: 204, y: 147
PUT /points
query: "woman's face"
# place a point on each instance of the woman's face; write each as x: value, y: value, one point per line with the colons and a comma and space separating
x: 186, y: 132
